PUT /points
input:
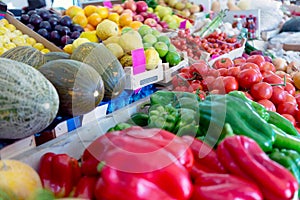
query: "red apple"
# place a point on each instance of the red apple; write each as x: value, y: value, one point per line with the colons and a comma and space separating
x: 130, y: 4
x: 117, y: 8
x: 139, y: 18
x: 141, y: 6
x: 158, y: 27
x: 144, y: 14
x: 128, y: 11
x: 164, y: 24
x: 150, y: 22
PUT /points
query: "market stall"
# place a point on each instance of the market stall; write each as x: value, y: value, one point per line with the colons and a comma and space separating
x: 166, y: 99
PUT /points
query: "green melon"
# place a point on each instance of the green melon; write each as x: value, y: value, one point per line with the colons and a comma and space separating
x: 27, y: 55
x: 106, y: 64
x: 79, y: 86
x: 56, y: 55
x: 28, y: 101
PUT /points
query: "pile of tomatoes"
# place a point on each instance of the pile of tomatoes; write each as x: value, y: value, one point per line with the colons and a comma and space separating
x: 215, y: 44
x: 255, y: 76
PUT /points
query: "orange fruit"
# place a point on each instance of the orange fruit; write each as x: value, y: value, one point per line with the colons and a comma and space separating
x: 125, y: 19
x: 89, y: 27
x: 114, y: 17
x: 103, y: 12
x: 94, y: 19
x: 89, y: 9
x: 135, y: 25
x: 80, y: 19
x: 74, y: 10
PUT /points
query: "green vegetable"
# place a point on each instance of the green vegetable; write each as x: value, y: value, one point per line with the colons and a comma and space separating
x: 217, y: 110
x: 140, y: 119
x: 188, y: 122
x: 119, y: 127
x: 282, y: 123
x: 260, y: 109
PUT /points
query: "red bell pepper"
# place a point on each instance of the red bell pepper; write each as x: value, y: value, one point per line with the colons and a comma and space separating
x: 243, y: 157
x: 59, y: 173
x: 160, y: 138
x: 86, y: 187
x: 212, y: 186
x: 139, y: 165
x: 205, y: 157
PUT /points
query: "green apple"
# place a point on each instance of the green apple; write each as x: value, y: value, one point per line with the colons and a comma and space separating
x: 156, y: 33
x: 164, y: 39
x: 149, y: 38
x: 161, y: 48
x: 144, y: 30
x: 147, y: 46
x: 150, y: 10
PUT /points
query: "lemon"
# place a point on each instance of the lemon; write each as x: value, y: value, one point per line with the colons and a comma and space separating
x: 38, y: 46
x: 3, y: 22
x: 4, y: 39
x: 3, y: 30
x: 31, y: 41
x: 68, y: 48
x: 18, y: 32
x: 19, y: 41
x: 10, y: 35
x: 90, y: 35
x: 45, y: 50
x: 79, y: 41
x: 2, y: 50
x: 10, y: 45
x: 10, y: 27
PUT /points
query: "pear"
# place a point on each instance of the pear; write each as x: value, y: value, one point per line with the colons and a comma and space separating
x: 179, y: 6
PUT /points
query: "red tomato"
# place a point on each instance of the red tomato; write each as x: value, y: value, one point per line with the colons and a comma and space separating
x: 213, y: 72
x: 219, y: 85
x: 230, y: 84
x: 297, y: 97
x: 290, y: 88
x: 297, y: 117
x: 248, y: 95
x: 186, y: 70
x: 223, y: 63
x: 290, y: 118
x: 287, y: 108
x: 273, y: 78
x: 208, y: 82
x: 257, y: 59
x: 223, y: 71
x: 201, y: 94
x: 180, y: 79
x: 248, y: 77
x: 250, y: 66
x: 200, y: 68
x: 182, y: 89
x: 290, y: 98
x: 267, y: 104
x: 278, y: 95
x: 239, y: 61
x: 196, y: 84
x: 234, y: 71
x: 267, y: 66
x: 261, y: 90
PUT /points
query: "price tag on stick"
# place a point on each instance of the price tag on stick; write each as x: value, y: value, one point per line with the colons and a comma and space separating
x: 107, y: 3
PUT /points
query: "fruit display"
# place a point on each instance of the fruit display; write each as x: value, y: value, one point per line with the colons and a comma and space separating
x: 60, y: 30
x: 215, y: 44
x: 11, y: 37
x: 182, y: 8
x: 29, y: 101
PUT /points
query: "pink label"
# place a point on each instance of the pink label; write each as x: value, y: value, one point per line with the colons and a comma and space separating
x: 107, y: 3
x: 138, y: 61
x: 182, y: 24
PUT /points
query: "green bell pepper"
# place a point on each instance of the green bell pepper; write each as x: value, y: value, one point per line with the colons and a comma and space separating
x: 188, y: 122
x: 139, y: 119
x: 260, y: 109
x: 119, y: 127
x: 164, y: 117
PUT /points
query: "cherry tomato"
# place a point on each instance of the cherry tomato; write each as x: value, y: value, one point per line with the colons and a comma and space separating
x: 230, y: 84
x: 267, y: 104
x: 290, y: 118
x: 239, y: 61
x: 257, y: 59
x: 223, y: 63
x: 234, y: 71
x: 273, y: 78
x: 290, y: 88
x: 261, y: 90
x: 287, y: 108
x: 250, y: 66
x: 201, y: 94
x: 267, y: 66
x: 196, y: 84
x: 248, y: 77
x: 278, y: 95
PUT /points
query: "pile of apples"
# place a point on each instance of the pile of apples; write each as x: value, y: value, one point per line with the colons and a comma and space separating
x: 255, y: 76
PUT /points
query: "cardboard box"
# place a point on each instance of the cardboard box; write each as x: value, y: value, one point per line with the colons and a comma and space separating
x: 25, y: 30
x: 148, y: 77
x: 170, y: 72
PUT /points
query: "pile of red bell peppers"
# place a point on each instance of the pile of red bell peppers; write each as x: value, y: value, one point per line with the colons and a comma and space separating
x: 141, y: 164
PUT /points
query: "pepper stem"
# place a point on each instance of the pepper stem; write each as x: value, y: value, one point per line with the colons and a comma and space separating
x: 100, y: 166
